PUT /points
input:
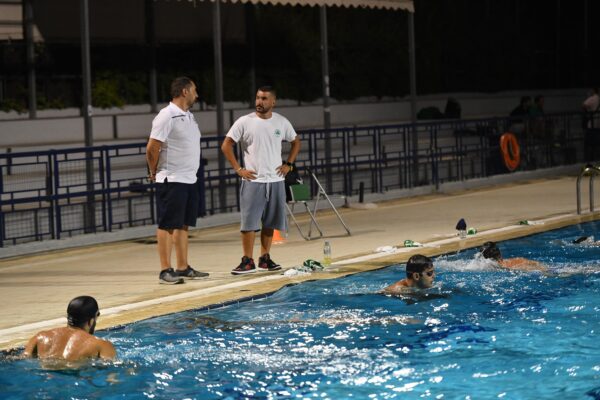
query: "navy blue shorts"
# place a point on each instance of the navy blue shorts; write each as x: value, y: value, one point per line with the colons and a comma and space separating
x: 177, y: 204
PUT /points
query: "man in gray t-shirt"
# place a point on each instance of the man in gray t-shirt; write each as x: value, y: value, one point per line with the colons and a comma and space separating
x: 262, y: 192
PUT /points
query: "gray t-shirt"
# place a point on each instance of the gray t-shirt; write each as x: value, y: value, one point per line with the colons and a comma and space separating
x: 261, y: 143
x: 179, y: 156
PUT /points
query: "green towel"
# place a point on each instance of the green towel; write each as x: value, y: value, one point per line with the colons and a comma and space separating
x: 312, y: 265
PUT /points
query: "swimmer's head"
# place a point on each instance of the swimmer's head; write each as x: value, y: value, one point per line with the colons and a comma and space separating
x: 582, y: 239
x: 419, y: 268
x: 491, y: 251
x: 82, y: 310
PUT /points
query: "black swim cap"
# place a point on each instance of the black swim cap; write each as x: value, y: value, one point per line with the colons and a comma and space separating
x: 418, y: 263
x: 490, y: 250
x: 80, y: 310
x: 581, y: 239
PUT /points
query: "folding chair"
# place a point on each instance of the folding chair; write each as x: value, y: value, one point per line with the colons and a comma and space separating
x: 300, y: 193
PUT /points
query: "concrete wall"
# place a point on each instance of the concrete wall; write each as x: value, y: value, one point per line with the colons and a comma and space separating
x: 65, y: 128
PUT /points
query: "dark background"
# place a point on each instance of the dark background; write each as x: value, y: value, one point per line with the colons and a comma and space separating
x: 462, y: 46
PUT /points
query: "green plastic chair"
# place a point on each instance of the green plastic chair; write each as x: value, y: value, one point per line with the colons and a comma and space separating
x: 301, y: 194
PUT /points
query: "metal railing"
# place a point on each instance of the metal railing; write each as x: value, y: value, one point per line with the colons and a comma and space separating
x: 45, y: 194
x: 591, y: 171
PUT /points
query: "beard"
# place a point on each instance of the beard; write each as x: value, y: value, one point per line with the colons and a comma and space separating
x: 263, y: 109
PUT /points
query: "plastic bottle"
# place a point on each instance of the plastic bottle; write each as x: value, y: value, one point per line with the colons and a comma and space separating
x: 412, y: 243
x: 471, y: 231
x: 326, y: 254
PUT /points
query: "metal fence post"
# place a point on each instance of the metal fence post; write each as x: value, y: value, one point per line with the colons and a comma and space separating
x: 380, y: 161
x: 201, y: 189
x: 8, y: 161
x: 108, y: 206
x: 105, y: 186
x: 346, y: 160
x: 55, y: 200
x: 2, y: 228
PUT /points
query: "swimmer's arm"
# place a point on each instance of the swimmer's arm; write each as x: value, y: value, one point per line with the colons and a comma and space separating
x: 106, y: 350
x: 523, y: 264
x: 31, y: 348
x: 537, y: 266
x: 395, y: 288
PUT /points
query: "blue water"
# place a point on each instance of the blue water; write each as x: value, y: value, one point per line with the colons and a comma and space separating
x: 483, y: 333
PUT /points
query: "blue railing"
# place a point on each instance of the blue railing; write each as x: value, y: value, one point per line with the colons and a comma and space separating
x: 60, y: 193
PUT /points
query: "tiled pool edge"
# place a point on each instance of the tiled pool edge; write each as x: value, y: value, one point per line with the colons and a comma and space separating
x: 255, y: 288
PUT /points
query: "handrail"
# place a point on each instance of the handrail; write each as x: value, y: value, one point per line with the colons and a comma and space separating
x: 592, y: 171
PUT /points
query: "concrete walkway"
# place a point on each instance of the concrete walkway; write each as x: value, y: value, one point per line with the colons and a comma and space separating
x: 123, y: 276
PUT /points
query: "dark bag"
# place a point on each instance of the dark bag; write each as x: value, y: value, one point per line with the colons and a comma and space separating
x: 292, y: 178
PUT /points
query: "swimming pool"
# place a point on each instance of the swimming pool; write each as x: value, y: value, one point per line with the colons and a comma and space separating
x: 486, y: 334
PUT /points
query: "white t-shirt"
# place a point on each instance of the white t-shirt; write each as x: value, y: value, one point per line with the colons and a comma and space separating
x: 179, y: 156
x: 261, y: 143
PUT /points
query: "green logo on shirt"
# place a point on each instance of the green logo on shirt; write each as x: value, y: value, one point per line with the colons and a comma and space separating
x: 277, y: 132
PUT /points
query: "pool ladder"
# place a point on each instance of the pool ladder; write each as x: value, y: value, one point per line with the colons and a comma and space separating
x: 591, y: 171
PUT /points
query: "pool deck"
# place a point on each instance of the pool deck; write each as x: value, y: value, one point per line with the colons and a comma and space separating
x: 123, y: 276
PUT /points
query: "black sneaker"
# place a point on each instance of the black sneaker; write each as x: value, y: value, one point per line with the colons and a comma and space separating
x: 169, y: 277
x: 191, y: 273
x: 246, y: 267
x: 266, y: 264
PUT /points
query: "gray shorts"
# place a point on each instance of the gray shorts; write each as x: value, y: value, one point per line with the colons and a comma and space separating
x: 263, y: 202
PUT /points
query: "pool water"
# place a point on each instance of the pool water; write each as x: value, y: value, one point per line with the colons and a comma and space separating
x: 483, y: 333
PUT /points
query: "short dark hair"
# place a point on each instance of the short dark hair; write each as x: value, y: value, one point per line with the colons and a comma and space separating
x: 178, y: 84
x: 491, y: 251
x: 269, y: 89
x: 80, y: 310
x: 418, y: 263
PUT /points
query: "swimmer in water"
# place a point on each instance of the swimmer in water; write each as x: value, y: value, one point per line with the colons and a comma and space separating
x: 586, y: 240
x: 420, y: 274
x: 489, y: 250
x: 76, y: 341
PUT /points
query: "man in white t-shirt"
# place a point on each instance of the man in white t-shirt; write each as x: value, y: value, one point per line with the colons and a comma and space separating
x: 173, y: 156
x: 262, y: 192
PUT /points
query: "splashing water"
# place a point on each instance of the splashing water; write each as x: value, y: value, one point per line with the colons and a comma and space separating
x: 488, y: 333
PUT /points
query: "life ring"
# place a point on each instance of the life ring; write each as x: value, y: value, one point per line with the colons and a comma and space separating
x: 511, y: 152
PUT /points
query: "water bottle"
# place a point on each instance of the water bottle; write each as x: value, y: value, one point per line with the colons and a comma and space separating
x: 326, y: 254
